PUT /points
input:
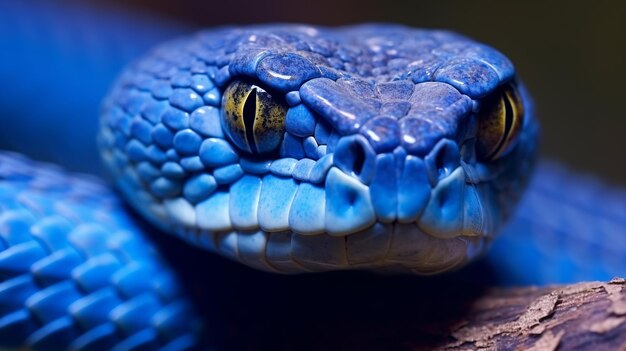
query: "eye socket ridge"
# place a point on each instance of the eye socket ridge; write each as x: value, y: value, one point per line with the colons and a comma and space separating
x: 252, y: 117
x: 500, y: 121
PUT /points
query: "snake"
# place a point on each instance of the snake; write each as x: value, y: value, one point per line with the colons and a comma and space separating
x: 289, y: 149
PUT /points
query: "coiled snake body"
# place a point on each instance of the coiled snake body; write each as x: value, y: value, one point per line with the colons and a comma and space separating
x: 287, y: 148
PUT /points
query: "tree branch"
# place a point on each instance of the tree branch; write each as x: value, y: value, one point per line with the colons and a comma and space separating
x: 579, y: 316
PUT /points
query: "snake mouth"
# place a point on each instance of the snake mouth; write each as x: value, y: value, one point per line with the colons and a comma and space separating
x: 435, y: 192
x: 451, y: 208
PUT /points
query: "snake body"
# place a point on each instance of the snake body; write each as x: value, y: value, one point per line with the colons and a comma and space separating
x: 80, y: 272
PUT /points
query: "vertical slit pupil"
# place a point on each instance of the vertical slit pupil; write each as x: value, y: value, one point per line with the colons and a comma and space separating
x: 249, y: 114
x: 508, y: 123
x: 508, y: 120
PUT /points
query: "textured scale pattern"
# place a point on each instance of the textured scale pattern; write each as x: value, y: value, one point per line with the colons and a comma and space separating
x: 77, y: 273
x: 562, y: 233
x: 399, y: 96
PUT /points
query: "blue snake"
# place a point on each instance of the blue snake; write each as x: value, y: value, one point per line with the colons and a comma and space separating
x: 289, y: 149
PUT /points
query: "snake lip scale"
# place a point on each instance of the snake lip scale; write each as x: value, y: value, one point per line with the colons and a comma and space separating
x: 298, y: 148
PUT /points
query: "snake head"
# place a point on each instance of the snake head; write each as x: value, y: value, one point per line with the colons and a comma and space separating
x: 296, y: 148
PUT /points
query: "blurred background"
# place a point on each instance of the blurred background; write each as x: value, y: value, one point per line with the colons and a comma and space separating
x: 57, y: 60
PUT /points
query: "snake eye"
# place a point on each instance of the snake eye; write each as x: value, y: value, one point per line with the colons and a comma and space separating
x: 499, y: 122
x: 253, y: 119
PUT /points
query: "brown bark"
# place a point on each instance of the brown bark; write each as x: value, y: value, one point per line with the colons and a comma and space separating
x: 586, y: 316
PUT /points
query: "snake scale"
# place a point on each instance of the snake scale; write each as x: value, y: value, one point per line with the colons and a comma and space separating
x: 290, y: 149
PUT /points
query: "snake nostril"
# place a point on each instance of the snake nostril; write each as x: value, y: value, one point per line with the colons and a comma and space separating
x: 355, y: 156
x: 442, y: 160
x: 359, y: 158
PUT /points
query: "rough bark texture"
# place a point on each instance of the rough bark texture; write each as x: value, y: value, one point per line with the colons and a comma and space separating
x: 586, y: 316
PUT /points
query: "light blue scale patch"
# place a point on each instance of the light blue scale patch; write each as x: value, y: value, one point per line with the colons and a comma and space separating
x: 163, y: 187
x: 348, y: 204
x: 415, y: 189
x: 162, y: 136
x: 291, y: 147
x: 206, y: 121
x: 251, y: 249
x: 277, y: 195
x: 186, y: 99
x: 136, y: 151
x: 57, y: 266
x: 283, y: 167
x: 444, y: 214
x: 172, y: 155
x: 53, y: 231
x: 228, y: 174
x: 18, y: 258
x: 173, y: 170
x: 303, y: 168
x: 244, y: 202
x: 213, y: 97
x: 161, y: 90
x: 320, y: 169
x: 192, y: 164
x: 300, y: 121
x: 212, y: 214
x: 322, y: 132
x: 216, y: 152
x: 153, y: 110
x: 222, y: 76
x: 255, y: 167
x: 181, y: 80
x: 201, y: 83
x: 227, y: 244
x: 308, y: 209
x: 141, y: 130
x: 187, y: 142
x: 279, y: 248
x: 147, y: 171
x: 129, y: 315
x: 175, y: 118
x: 52, y: 303
x: 310, y: 148
x: 95, y: 272
x: 199, y: 187
x: 293, y: 98
x: 180, y: 210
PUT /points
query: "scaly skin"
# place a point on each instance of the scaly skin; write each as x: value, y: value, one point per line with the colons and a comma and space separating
x: 54, y: 323
x: 76, y: 270
x: 406, y: 100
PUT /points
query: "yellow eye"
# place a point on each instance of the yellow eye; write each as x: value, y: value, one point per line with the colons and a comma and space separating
x: 252, y: 118
x: 500, y: 120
